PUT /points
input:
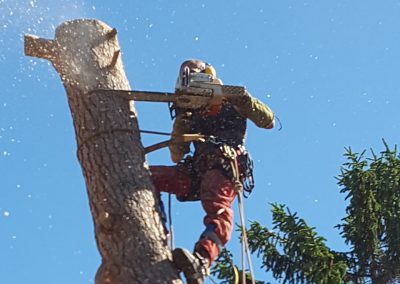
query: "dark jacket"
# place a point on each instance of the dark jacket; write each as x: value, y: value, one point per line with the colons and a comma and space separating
x: 228, y: 125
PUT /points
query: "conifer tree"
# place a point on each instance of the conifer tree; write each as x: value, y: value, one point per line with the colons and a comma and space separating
x: 295, y: 253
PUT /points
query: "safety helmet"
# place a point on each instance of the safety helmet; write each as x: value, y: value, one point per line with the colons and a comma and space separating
x: 198, y: 66
x: 194, y: 66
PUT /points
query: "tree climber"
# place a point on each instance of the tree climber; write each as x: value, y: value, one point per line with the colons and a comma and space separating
x: 208, y: 176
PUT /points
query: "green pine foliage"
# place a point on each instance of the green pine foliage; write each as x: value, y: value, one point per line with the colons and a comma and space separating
x: 372, y: 224
x: 294, y: 252
x: 225, y: 269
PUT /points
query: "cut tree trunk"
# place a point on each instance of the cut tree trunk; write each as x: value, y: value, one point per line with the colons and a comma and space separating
x: 123, y: 203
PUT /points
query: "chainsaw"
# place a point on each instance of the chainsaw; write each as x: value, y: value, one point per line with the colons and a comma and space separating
x: 192, y: 91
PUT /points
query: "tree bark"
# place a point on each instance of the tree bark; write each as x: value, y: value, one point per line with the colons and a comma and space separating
x: 127, y: 223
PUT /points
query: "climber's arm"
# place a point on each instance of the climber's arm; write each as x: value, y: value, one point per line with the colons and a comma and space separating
x: 254, y: 109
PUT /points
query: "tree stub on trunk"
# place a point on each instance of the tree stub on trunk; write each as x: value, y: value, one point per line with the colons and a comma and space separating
x: 128, y: 227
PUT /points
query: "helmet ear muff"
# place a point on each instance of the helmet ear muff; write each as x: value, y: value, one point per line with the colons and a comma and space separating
x: 210, y: 71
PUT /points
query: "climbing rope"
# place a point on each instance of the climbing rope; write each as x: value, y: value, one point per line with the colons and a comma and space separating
x: 148, y: 150
x: 170, y: 227
x: 245, y: 240
x: 155, y: 132
x: 231, y: 154
x: 235, y: 272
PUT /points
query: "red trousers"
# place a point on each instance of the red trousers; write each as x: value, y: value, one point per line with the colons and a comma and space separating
x: 217, y: 193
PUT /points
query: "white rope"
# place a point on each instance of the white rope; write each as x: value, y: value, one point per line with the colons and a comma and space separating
x: 244, y: 238
x: 244, y: 241
x: 171, y: 229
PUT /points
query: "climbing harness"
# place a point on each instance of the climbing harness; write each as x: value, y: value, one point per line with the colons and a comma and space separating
x: 197, y: 165
x: 188, y: 165
x: 243, y: 160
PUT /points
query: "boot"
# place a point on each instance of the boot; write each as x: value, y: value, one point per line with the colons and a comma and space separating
x: 194, y: 266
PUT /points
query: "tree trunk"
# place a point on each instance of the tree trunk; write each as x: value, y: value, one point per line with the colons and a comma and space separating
x: 127, y: 223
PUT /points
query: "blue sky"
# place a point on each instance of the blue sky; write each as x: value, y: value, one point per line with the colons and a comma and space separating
x: 327, y: 68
